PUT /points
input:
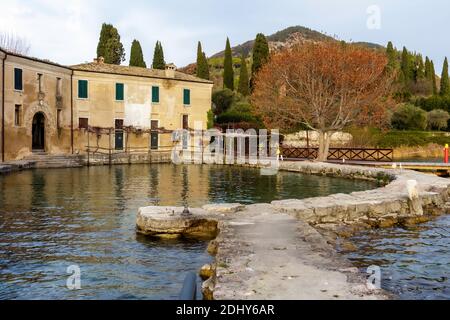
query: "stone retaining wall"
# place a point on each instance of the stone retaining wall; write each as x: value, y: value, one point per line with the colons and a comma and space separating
x: 97, y: 160
x: 381, y: 207
x: 9, y: 167
x: 117, y: 159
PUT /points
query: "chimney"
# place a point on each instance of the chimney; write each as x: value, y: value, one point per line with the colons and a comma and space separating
x: 99, y: 60
x: 170, y: 70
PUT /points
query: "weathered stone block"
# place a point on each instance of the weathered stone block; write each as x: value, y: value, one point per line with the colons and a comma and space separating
x: 169, y: 222
x: 208, y: 271
x: 224, y: 208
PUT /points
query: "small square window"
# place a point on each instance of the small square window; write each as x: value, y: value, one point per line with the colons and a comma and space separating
x: 119, y: 124
x: 83, y: 123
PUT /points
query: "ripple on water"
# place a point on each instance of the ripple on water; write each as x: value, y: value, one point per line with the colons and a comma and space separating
x: 415, y: 262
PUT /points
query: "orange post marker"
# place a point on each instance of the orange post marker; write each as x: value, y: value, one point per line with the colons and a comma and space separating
x: 446, y: 153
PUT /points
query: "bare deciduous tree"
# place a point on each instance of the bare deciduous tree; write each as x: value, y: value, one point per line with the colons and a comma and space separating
x: 13, y: 43
x: 325, y: 86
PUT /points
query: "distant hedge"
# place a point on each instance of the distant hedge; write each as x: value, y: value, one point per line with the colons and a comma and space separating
x: 433, y: 103
x: 395, y: 139
x: 372, y: 137
x: 232, y: 116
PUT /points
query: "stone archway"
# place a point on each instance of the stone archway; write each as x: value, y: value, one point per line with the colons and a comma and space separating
x: 49, y: 124
x: 38, y: 132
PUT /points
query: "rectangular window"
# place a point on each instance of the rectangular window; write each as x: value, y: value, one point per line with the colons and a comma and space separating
x: 154, y: 135
x: 83, y: 89
x: 187, y: 97
x: 119, y: 136
x: 18, y: 80
x: 119, y: 124
x: 83, y: 123
x: 58, y: 87
x: 17, y: 112
x: 186, y: 133
x: 185, y: 122
x: 119, y: 92
x: 155, y: 94
x: 40, y: 82
x: 58, y: 119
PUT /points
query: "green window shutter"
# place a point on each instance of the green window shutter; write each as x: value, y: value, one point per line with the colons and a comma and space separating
x: 82, y: 89
x: 120, y: 92
x: 187, y: 97
x: 18, y: 81
x: 155, y: 94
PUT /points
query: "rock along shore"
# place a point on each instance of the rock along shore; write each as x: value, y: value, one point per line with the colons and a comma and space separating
x: 275, y: 251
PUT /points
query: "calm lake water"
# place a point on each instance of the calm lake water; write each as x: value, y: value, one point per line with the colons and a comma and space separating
x: 420, y: 160
x: 415, y: 262
x: 53, y: 219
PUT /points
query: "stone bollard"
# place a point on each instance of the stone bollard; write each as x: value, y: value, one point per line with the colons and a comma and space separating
x: 414, y: 201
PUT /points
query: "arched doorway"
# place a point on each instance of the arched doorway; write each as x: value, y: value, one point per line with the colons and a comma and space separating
x: 38, y: 132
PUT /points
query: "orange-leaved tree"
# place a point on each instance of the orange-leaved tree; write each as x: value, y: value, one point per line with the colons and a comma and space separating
x: 325, y: 86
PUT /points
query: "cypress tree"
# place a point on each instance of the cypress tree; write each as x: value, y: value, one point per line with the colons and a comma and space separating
x: 205, y: 59
x: 406, y: 66
x: 433, y: 77
x: 260, y: 53
x: 244, y: 88
x: 228, y: 72
x: 104, y: 37
x: 445, y: 85
x: 430, y: 75
x: 419, y: 68
x: 202, y: 63
x: 199, y: 60
x: 392, y: 57
x: 109, y: 46
x: 427, y: 68
x: 158, y: 57
x: 136, y: 55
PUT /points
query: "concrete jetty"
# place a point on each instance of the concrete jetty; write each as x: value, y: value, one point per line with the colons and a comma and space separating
x: 283, y: 250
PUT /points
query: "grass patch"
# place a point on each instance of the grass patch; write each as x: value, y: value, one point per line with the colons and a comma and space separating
x: 395, y: 139
x: 371, y: 137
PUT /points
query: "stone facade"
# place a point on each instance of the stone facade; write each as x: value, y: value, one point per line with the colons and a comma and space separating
x: 43, y: 110
x: 40, y: 98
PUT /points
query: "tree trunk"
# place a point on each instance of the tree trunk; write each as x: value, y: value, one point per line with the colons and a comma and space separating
x: 324, y: 146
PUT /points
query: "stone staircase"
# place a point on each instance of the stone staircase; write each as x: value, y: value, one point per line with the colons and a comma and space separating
x: 43, y: 160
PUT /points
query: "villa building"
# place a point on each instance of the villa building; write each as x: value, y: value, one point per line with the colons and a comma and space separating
x: 53, y: 109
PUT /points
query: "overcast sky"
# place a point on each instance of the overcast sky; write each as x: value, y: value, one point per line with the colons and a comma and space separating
x: 67, y: 31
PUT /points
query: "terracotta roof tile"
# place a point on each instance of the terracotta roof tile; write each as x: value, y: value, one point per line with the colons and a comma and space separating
x: 115, y: 69
x: 46, y: 61
x: 135, y: 71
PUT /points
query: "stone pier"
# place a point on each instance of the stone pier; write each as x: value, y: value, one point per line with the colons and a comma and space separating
x: 282, y: 250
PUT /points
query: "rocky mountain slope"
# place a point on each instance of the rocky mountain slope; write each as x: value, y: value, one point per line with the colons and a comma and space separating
x: 282, y: 39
